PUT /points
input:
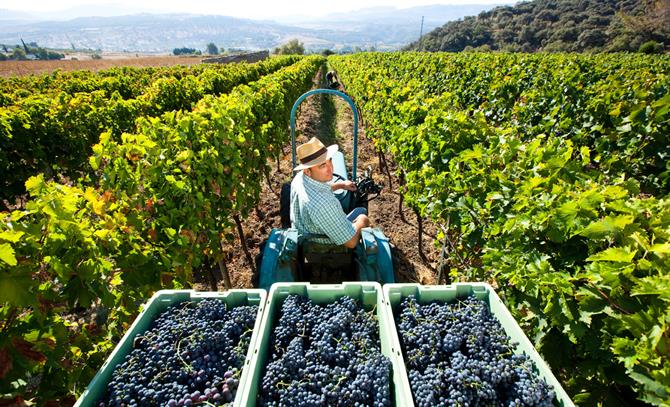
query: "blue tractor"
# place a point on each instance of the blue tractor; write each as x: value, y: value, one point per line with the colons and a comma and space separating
x: 288, y: 256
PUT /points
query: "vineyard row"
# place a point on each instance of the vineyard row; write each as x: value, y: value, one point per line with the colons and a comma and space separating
x: 547, y: 174
x: 167, y: 197
x: 52, y: 132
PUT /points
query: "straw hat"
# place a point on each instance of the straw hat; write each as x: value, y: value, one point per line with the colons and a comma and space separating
x: 314, y: 153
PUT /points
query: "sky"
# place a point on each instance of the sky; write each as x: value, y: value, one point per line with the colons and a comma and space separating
x: 236, y: 8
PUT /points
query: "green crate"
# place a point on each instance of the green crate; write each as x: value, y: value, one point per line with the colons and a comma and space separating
x: 158, y: 303
x: 369, y: 294
x: 394, y: 294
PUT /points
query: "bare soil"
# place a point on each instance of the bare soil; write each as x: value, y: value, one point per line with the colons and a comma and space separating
x: 22, y: 68
x: 332, y: 122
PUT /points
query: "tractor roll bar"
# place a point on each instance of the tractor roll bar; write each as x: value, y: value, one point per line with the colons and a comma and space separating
x: 353, y: 109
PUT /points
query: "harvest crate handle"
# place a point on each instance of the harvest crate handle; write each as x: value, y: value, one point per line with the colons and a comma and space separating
x: 353, y: 109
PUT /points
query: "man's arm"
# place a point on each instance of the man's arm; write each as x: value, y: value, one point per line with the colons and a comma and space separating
x: 348, y: 185
x: 361, y: 222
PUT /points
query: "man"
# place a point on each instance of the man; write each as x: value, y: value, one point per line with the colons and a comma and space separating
x: 333, y: 81
x: 314, y: 207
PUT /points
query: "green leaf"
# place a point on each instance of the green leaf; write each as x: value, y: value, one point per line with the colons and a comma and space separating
x: 18, y: 215
x: 177, y: 183
x: 590, y: 303
x: 581, y: 397
x: 616, y: 112
x: 475, y: 154
x: 7, y: 254
x: 650, y: 384
x: 585, y: 153
x: 640, y: 240
x: 665, y: 100
x: 609, y: 273
x: 75, y: 351
x: 18, y: 384
x: 11, y: 236
x: 15, y: 289
x: 626, y: 128
x: 33, y: 184
x: 653, y: 285
x: 94, y: 162
x: 614, y: 192
x: 663, y: 103
x: 663, y: 248
x: 618, y: 254
x: 606, y: 227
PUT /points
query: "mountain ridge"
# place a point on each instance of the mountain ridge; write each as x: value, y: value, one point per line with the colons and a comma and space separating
x: 161, y: 33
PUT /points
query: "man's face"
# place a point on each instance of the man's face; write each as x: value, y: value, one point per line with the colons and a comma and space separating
x: 322, y: 172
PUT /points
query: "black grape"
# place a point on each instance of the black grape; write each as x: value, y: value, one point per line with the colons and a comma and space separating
x: 326, y: 355
x: 192, y: 354
x: 458, y: 354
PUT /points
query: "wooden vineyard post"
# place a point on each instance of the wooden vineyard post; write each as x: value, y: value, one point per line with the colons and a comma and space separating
x: 224, y: 274
x: 441, y: 275
x: 212, y: 279
x: 240, y: 231
x: 401, y: 182
x: 383, y: 164
x: 267, y: 180
x: 419, y: 221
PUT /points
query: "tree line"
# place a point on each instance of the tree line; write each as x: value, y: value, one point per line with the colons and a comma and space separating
x: 21, y: 52
x: 292, y: 47
x: 558, y: 26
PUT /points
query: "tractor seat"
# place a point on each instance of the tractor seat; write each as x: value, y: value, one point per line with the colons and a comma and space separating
x: 323, y: 248
x: 286, y: 256
x: 324, y: 263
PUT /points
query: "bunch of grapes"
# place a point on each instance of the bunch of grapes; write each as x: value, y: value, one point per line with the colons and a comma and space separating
x: 325, y: 356
x: 459, y: 355
x: 193, y: 353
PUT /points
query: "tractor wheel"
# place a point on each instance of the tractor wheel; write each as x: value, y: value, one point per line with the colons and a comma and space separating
x: 255, y: 278
x: 285, y: 206
x: 395, y: 261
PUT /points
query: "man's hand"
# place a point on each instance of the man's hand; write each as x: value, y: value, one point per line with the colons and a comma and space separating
x: 348, y: 185
x: 362, y: 221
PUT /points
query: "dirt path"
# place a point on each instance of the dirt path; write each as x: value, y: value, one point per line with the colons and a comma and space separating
x: 402, y: 230
x: 331, y: 120
x: 22, y: 68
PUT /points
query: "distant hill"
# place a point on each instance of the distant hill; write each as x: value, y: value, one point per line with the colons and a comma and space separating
x: 379, y: 28
x: 434, y: 16
x: 556, y: 26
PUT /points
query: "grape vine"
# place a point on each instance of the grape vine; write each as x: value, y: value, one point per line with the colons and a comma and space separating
x: 549, y: 175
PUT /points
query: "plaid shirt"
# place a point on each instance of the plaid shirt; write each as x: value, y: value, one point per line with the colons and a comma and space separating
x: 316, y: 210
